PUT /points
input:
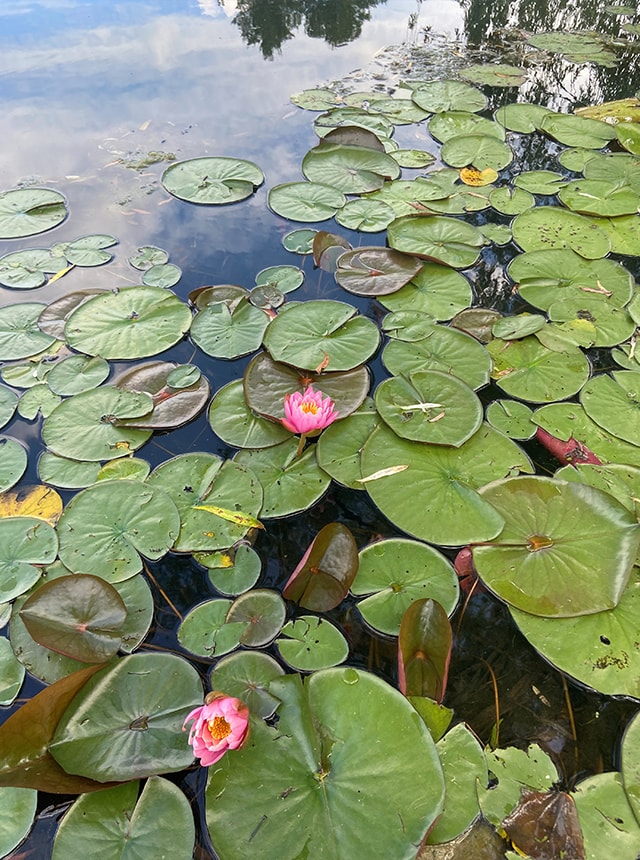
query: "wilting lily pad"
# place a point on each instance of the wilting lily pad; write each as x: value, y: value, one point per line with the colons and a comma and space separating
x: 306, y: 201
x: 321, y: 333
x: 360, y: 709
x: 140, y: 700
x: 310, y: 643
x: 134, y: 322
x: 375, y: 271
x: 395, y: 573
x: 214, y: 180
x: 566, y: 549
x: 107, y: 527
x: 87, y: 426
x: 429, y: 406
x: 442, y: 240
x: 218, y: 501
x: 117, y: 818
x: 434, y: 497
x: 27, y: 211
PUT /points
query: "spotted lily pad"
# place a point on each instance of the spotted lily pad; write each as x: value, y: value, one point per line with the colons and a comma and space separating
x: 211, y: 181
x: 546, y: 227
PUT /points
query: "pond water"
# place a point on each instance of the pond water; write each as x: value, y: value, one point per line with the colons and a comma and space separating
x: 98, y: 98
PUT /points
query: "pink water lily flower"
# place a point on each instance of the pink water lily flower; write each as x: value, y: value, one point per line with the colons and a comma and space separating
x: 308, y: 412
x: 221, y: 724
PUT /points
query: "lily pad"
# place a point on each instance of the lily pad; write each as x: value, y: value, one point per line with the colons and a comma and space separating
x: 27, y: 211
x: 599, y: 197
x: 612, y: 402
x: 394, y: 573
x: 212, y: 181
x: 321, y: 332
x: 540, y: 181
x: 338, y: 448
x: 163, y: 275
x: 27, y: 270
x: 375, y: 271
x: 20, y: 335
x: 125, y: 723
x: 87, y: 250
x: 436, y: 290
x: 232, y: 573
x: 66, y: 473
x: 204, y: 629
x: 306, y: 201
x: 511, y: 418
x: 106, y: 528
x: 13, y: 462
x: 234, y: 422
x: 76, y: 374
x: 367, y: 216
x: 606, y: 818
x: 18, y: 813
x: 546, y: 227
x: 262, y: 612
x: 577, y: 130
x: 566, y: 549
x: 285, y: 279
x: 430, y: 406
x: 225, y: 333
x: 521, y: 116
x: 179, y: 393
x: 134, y: 322
x: 494, y: 75
x: 440, y: 239
x: 449, y: 124
x: 247, y: 675
x: 435, y: 498
x: 350, y: 169
x: 511, y: 201
x: 26, y: 543
x: 310, y: 643
x: 352, y: 703
x: 480, y: 151
x: 446, y: 95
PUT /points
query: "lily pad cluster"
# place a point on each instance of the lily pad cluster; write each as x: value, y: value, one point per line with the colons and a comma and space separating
x: 431, y: 446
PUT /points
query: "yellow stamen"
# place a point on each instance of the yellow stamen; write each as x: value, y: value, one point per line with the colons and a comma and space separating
x: 219, y: 728
x: 309, y: 407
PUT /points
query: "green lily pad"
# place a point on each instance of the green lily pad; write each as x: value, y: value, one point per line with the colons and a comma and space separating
x: 602, y: 654
x: 126, y: 721
x: 267, y: 382
x: 305, y: 201
x: 577, y: 130
x: 8, y: 402
x: 106, y: 528
x: 123, y: 823
x: 450, y: 124
x: 87, y: 426
x: 11, y: 679
x: 612, y: 402
x: 148, y: 256
x: 87, y: 250
x: 566, y: 549
x: 513, y: 769
x: 430, y: 491
x: 134, y: 322
x: 494, y: 75
x: 518, y: 326
x: 212, y: 181
x: 27, y: 270
x: 440, y: 96
x: 318, y: 98
x: 310, y: 643
x: 628, y: 135
x: 375, y: 271
x: 26, y: 543
x: 290, y: 483
x: 13, y: 462
x: 528, y: 370
x: 127, y: 467
x: 396, y: 572
x: 417, y: 158
x: 262, y: 612
x: 307, y: 334
x: 430, y: 406
x: 239, y: 573
x: 163, y: 275
x: 299, y: 241
x: 439, y: 348
x: 18, y: 813
x: 39, y: 399
x: 546, y: 227
x: 338, y: 448
x: 521, y: 116
x: 477, y: 150
x: 511, y: 201
x: 618, y: 480
x: 349, y: 116
x: 236, y: 424
x: 594, y: 317
x: 599, y: 197
x: 53, y: 317
x: 606, y: 818
x: 225, y: 333
x: 630, y: 764
x: 350, y: 169
x: 76, y: 374
x: 540, y: 181
x: 400, y: 111
x: 285, y: 279
x: 511, y: 418
x: 440, y: 239
x: 436, y: 290
x: 20, y: 335
x: 209, y: 493
x: 66, y: 473
x: 367, y: 216
x: 27, y: 211
x: 330, y: 823
x: 247, y: 675
x: 204, y: 629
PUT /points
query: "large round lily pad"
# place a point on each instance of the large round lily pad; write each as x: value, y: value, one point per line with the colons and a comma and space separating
x: 321, y: 333
x: 306, y: 201
x: 438, y: 238
x: 134, y: 322
x: 27, y: 211
x: 350, y: 169
x: 547, y: 227
x: 566, y: 549
x: 107, y: 527
x: 214, y: 180
x: 431, y: 491
x: 323, y: 790
x: 125, y: 723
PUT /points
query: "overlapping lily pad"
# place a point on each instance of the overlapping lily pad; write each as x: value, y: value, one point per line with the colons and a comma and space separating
x: 546, y: 227
x: 229, y: 333
x: 350, y: 169
x: 20, y: 335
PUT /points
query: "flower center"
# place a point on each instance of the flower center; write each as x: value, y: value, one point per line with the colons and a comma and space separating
x: 219, y: 728
x: 309, y: 407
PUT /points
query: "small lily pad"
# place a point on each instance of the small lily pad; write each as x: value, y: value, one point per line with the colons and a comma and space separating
x: 310, y: 643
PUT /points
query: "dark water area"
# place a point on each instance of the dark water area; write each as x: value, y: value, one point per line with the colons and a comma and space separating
x: 97, y: 98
